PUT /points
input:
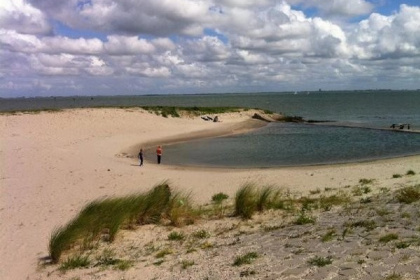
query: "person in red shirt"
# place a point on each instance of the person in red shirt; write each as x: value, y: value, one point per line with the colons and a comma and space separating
x: 159, y: 154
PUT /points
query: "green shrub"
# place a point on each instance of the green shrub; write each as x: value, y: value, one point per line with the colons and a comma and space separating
x: 409, y: 194
x: 201, y: 234
x: 219, y: 198
x: 245, y: 259
x: 396, y: 176
x: 320, y: 261
x: 410, y: 173
x: 176, y: 236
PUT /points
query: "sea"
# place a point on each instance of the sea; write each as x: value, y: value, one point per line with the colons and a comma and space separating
x: 345, y: 126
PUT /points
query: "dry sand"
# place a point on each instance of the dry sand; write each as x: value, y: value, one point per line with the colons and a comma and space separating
x: 52, y: 164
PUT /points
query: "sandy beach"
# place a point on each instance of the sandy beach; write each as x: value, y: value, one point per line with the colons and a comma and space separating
x: 53, y: 163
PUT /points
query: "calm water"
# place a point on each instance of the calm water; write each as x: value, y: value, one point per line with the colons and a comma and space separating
x: 281, y: 144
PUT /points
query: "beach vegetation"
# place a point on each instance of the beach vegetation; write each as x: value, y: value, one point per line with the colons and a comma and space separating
x: 320, y: 261
x: 365, y: 181
x: 304, y: 219
x: 329, y: 235
x: 218, y: 204
x: 219, y: 198
x: 245, y: 201
x: 163, y: 252
x: 410, y: 173
x: 368, y: 225
x: 78, y: 261
x: 186, y: 263
x: 102, y: 219
x: 408, y: 194
x: 316, y: 191
x: 388, y: 237
x: 201, y: 234
x: 396, y: 176
x: 32, y: 112
x: 176, y: 112
x: 247, y: 258
x: 394, y: 276
x: 176, y: 236
x: 107, y: 258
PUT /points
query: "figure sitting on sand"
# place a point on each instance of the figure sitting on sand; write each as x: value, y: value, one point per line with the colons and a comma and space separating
x: 159, y: 154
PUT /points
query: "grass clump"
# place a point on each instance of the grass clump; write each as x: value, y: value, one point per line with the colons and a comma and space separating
x: 365, y: 181
x: 368, y: 225
x: 249, y: 199
x: 176, y: 236
x: 185, y: 264
x: 245, y: 201
x: 219, y: 197
x: 304, y: 219
x: 409, y: 194
x: 248, y: 258
x: 102, y: 219
x: 388, y: 237
x: 73, y: 262
x: 163, y: 253
x: 201, y: 234
x: 320, y: 261
x: 396, y: 176
x: 218, y: 203
x: 410, y: 173
x: 329, y: 236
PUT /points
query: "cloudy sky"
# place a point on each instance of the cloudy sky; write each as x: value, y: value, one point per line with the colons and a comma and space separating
x: 111, y: 47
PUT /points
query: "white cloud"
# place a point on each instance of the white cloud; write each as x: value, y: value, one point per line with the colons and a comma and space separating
x: 382, y: 37
x: 22, y: 17
x: 212, y: 46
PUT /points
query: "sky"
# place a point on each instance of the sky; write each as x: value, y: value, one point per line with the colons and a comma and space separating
x: 125, y: 47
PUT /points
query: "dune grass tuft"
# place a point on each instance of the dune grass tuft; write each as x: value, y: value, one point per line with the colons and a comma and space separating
x: 245, y: 201
x: 102, y: 219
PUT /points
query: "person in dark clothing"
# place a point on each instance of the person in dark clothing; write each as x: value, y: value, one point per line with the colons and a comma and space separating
x: 159, y: 154
x: 141, y: 157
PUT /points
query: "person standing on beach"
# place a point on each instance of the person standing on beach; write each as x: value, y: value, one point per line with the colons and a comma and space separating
x: 141, y: 157
x: 159, y: 154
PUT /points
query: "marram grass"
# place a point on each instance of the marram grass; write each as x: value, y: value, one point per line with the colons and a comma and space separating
x: 102, y: 219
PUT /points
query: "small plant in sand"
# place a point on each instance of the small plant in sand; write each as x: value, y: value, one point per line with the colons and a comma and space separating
x: 368, y: 225
x: 78, y: 261
x: 408, y: 194
x: 218, y: 203
x: 163, y: 252
x: 396, y: 176
x: 201, y: 234
x: 316, y: 191
x: 186, y: 263
x: 410, y: 173
x: 328, y: 236
x: 176, y: 236
x: 320, y: 261
x: 388, y: 237
x: 394, y: 276
x: 248, y: 258
x: 365, y: 181
x: 304, y: 219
